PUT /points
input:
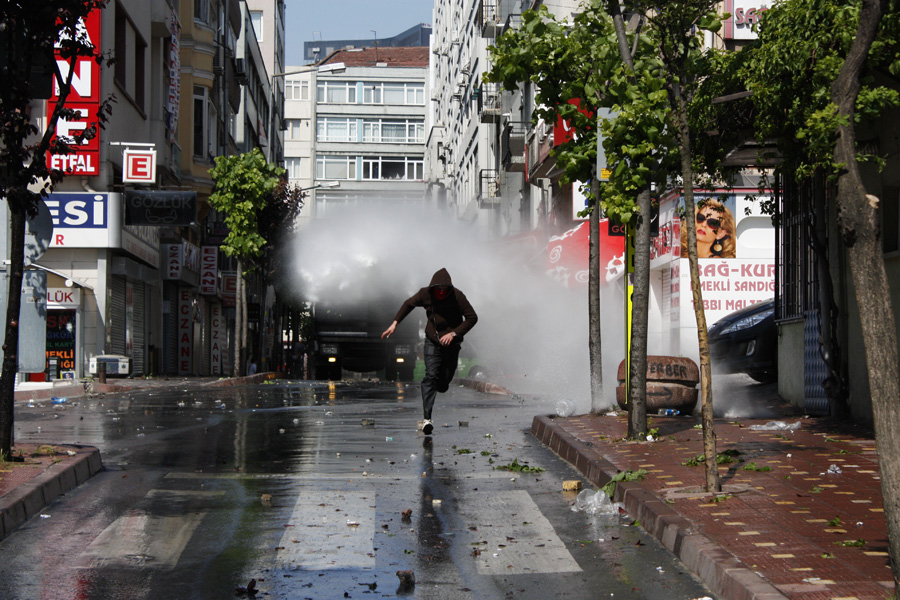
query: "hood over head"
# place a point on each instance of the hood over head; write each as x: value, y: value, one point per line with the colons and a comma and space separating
x: 441, y: 277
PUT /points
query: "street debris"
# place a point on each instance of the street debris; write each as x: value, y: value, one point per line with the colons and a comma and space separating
x: 565, y: 408
x: 776, y: 426
x: 407, y: 578
x: 406, y: 514
x: 367, y: 422
x: 250, y: 590
x: 571, y: 485
x: 266, y: 499
x: 594, y: 503
x: 56, y: 400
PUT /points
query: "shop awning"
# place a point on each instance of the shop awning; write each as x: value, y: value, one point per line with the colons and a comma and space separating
x: 567, y: 255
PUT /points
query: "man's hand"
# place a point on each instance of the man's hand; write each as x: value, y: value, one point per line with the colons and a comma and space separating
x: 389, y: 331
x: 447, y: 339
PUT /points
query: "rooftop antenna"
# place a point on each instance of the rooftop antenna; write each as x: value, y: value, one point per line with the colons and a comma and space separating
x: 375, y: 35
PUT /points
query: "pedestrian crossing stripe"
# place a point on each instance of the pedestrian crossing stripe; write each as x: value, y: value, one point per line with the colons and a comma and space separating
x: 516, y: 538
x: 329, y: 530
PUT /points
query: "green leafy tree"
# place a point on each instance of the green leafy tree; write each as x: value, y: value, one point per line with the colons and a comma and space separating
x: 813, y: 85
x: 245, y: 184
x: 29, y: 31
x: 646, y: 77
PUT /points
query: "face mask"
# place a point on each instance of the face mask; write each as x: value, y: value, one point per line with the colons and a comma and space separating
x: 441, y: 293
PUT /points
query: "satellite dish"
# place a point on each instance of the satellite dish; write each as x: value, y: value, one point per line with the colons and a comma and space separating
x: 38, y: 233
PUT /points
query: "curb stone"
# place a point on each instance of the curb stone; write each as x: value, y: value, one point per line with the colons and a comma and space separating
x: 29, y: 499
x: 720, y: 571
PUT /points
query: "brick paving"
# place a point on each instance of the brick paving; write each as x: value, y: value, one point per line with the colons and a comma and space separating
x: 806, y: 532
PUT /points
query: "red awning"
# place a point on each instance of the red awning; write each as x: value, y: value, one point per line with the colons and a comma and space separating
x: 567, y: 255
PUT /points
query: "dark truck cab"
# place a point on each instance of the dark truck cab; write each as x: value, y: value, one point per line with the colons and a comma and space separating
x: 348, y: 337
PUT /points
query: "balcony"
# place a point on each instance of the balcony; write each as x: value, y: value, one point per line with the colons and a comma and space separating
x: 512, y: 146
x: 540, y: 142
x: 489, y: 188
x: 488, y: 18
x: 489, y: 102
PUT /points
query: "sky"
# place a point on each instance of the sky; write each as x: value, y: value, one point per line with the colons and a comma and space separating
x: 306, y: 20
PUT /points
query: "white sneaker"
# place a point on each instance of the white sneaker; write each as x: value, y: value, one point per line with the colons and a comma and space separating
x: 427, y: 427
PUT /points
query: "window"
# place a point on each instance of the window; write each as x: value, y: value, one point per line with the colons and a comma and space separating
x: 335, y: 167
x: 256, y: 18
x: 394, y: 131
x: 201, y: 122
x: 201, y: 11
x: 295, y: 89
x: 336, y: 92
x: 336, y: 129
x: 384, y: 168
x: 130, y: 53
x: 293, y: 129
x: 292, y: 166
x: 394, y: 93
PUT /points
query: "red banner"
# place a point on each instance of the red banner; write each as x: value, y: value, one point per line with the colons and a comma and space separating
x: 84, y: 97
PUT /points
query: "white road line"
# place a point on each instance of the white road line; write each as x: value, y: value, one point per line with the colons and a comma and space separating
x: 330, y: 530
x: 142, y: 540
x: 356, y: 477
x: 517, y: 537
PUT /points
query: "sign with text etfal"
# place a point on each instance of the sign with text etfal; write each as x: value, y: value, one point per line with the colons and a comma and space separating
x: 84, y: 98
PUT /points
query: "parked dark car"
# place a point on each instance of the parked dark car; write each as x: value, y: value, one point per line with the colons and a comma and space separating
x: 746, y: 341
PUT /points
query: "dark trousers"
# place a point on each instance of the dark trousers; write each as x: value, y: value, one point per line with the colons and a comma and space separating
x: 440, y: 367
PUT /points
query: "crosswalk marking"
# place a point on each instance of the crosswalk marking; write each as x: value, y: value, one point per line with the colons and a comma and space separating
x: 513, y: 536
x: 330, y: 530
x: 145, y: 540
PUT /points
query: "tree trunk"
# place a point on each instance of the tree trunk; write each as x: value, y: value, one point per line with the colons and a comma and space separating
x: 238, y: 319
x: 713, y: 483
x: 17, y: 203
x: 858, y: 217
x: 640, y: 307
x: 594, y: 344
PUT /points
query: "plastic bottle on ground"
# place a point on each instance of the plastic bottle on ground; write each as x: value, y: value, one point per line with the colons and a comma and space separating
x: 565, y: 408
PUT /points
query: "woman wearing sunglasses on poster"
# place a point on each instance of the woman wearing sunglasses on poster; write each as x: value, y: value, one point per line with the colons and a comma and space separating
x: 715, y: 231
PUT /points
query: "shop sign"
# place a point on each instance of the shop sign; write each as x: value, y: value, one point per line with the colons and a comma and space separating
x: 157, y: 208
x: 63, y: 297
x: 745, y: 15
x: 139, y: 166
x: 209, y: 256
x: 727, y: 285
x: 173, y: 261
x: 185, y: 331
x: 84, y: 98
x: 229, y: 289
x: 217, y: 339
x: 83, y: 220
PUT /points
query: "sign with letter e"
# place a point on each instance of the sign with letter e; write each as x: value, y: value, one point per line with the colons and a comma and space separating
x: 139, y: 166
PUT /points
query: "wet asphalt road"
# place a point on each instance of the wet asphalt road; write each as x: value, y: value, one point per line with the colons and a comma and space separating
x: 303, y: 486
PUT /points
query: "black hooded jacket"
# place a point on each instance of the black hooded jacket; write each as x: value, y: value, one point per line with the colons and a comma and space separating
x: 454, y: 313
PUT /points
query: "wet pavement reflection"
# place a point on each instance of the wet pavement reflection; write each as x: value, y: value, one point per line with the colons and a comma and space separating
x: 320, y: 490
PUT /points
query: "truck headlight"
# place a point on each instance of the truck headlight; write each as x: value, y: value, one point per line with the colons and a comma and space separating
x: 400, y: 359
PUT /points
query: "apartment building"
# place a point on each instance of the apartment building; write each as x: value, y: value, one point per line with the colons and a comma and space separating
x: 355, y: 128
x: 133, y: 269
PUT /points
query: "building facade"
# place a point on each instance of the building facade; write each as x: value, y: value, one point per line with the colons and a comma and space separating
x: 134, y: 268
x: 356, y: 134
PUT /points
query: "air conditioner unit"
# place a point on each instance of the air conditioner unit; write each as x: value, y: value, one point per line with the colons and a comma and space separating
x: 240, y: 68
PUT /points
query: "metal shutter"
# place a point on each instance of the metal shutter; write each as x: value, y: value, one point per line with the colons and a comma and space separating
x: 116, y: 316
